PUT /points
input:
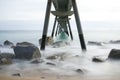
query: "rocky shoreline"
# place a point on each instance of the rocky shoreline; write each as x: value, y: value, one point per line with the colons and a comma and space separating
x: 23, y: 64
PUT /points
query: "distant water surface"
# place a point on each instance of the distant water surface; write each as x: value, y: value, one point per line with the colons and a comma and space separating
x: 34, y: 35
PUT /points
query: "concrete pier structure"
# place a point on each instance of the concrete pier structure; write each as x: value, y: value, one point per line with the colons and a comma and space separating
x: 62, y: 12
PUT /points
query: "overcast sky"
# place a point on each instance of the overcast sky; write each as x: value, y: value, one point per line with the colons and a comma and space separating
x: 34, y: 9
x: 89, y: 10
x: 100, y: 10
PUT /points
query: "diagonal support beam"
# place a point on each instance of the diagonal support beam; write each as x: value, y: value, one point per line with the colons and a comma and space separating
x: 79, y: 28
x: 45, y: 29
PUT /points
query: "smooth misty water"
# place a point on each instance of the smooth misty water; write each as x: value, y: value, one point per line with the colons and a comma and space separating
x: 74, y: 58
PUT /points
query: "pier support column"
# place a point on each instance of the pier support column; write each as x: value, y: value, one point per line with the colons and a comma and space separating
x: 45, y: 29
x: 70, y: 29
x: 56, y: 33
x: 81, y: 37
x: 54, y: 27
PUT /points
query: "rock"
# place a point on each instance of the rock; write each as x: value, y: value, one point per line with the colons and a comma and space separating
x: 49, y: 40
x: 4, y: 61
x: 26, y: 50
x: 79, y: 71
x: 12, y: 46
x: 36, y: 61
x: 114, y: 54
x: 25, y: 44
x: 8, y: 43
x: 6, y: 58
x: 49, y: 63
x: 16, y: 74
x: 115, y: 42
x: 60, y: 44
x: 98, y: 59
x: 43, y: 77
x: 94, y: 43
x: 52, y: 57
x: 7, y: 55
x: 61, y: 56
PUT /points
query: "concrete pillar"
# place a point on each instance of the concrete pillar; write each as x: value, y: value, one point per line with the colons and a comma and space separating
x: 54, y: 26
x: 70, y: 29
x: 79, y: 28
x: 45, y: 29
x: 57, y: 29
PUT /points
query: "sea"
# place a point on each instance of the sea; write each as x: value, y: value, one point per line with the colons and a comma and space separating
x: 74, y: 58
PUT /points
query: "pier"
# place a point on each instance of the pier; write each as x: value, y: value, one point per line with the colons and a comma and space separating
x: 63, y: 9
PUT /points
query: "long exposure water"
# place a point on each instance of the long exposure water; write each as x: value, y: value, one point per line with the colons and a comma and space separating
x: 74, y: 58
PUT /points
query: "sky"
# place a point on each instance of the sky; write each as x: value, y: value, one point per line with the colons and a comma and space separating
x: 100, y: 10
x: 32, y: 12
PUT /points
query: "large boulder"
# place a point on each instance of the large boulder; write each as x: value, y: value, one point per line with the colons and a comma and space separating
x: 26, y: 50
x: 49, y: 40
x: 114, y: 54
x: 8, y: 43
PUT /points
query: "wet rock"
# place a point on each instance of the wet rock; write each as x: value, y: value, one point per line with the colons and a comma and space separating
x: 49, y: 40
x: 49, y: 63
x: 60, y: 56
x: 114, y: 54
x: 8, y: 43
x: 25, y: 44
x: 16, y: 74
x: 43, y: 77
x: 12, y: 46
x: 26, y: 50
x: 94, y: 43
x: 115, y: 42
x: 36, y: 61
x: 7, y: 55
x: 98, y: 59
x: 77, y: 55
x: 5, y: 61
x: 52, y: 57
x: 6, y: 58
x: 60, y: 44
x: 79, y: 71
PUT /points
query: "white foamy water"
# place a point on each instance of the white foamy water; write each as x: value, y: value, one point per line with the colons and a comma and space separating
x: 73, y: 57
